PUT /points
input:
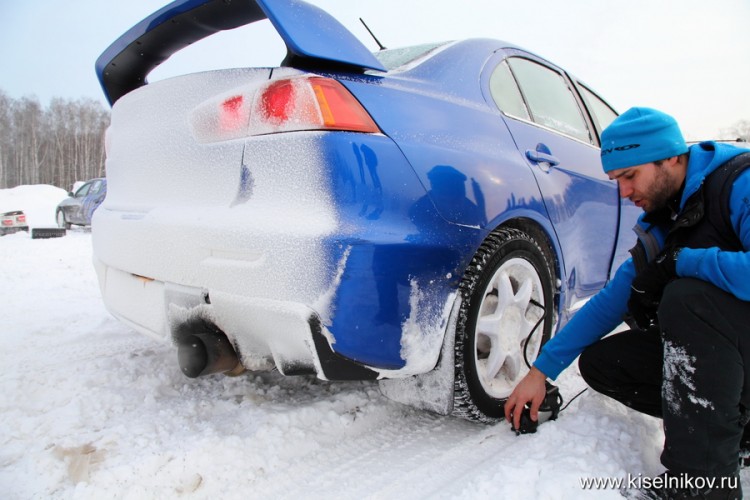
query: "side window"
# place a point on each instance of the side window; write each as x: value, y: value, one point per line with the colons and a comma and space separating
x: 505, y: 92
x: 95, y: 187
x: 83, y: 190
x: 603, y: 115
x: 550, y: 100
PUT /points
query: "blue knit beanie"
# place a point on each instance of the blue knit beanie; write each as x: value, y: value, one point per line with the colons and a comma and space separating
x: 638, y: 136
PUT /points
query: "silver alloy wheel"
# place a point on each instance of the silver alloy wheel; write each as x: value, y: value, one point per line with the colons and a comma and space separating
x: 512, y: 305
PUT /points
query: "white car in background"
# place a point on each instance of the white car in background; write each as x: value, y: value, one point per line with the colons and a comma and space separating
x: 12, y: 222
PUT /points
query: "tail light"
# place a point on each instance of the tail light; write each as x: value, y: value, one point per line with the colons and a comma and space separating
x: 292, y: 104
x: 13, y: 218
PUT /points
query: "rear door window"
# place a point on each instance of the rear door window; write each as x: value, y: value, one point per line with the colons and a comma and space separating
x: 602, y: 114
x: 96, y: 187
x: 548, y: 99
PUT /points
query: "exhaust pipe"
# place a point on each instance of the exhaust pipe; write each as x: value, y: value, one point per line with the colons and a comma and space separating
x: 207, y: 352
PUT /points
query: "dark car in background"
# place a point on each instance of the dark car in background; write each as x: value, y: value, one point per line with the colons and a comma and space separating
x: 426, y: 216
x: 80, y: 205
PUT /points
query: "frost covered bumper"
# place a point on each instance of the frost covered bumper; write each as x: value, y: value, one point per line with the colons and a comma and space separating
x: 267, y: 334
x: 376, y: 316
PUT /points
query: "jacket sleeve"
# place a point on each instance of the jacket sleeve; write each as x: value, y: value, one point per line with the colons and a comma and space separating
x: 597, y: 318
x: 727, y: 270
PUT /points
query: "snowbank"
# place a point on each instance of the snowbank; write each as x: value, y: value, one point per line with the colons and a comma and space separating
x: 37, y: 202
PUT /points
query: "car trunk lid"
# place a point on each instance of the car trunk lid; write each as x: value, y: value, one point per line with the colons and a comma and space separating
x: 153, y: 158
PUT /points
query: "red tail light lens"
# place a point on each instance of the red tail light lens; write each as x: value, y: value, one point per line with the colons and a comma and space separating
x: 231, y: 116
x: 277, y: 102
x: 292, y: 104
x: 21, y: 219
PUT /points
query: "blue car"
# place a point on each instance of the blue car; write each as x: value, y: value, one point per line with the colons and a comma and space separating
x: 426, y: 216
x: 79, y: 207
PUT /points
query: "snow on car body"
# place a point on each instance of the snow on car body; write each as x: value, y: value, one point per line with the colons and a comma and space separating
x: 349, y: 217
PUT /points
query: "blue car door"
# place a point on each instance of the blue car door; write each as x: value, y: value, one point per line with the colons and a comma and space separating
x: 560, y: 147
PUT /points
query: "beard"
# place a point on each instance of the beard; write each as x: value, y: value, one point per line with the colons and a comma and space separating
x: 659, y: 193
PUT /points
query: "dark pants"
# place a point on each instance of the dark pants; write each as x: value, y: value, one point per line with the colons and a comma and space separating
x: 693, y: 375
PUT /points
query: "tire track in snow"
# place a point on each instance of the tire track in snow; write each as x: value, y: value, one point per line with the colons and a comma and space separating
x: 403, y: 453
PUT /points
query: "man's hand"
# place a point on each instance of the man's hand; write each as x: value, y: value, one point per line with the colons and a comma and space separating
x: 530, y: 389
x: 647, y: 287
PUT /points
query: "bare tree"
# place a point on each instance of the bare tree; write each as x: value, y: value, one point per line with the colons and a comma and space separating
x: 740, y: 130
x: 5, y: 128
x: 59, y: 145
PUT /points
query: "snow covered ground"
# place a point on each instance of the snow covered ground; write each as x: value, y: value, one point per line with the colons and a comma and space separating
x: 91, y: 409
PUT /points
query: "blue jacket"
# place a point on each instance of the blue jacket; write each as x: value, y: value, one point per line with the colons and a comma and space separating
x: 729, y: 271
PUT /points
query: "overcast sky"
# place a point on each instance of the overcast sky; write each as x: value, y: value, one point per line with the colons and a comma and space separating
x: 686, y: 57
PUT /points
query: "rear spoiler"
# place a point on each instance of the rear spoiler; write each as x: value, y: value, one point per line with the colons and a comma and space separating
x: 312, y: 37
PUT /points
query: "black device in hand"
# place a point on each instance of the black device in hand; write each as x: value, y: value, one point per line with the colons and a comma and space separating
x: 548, y: 410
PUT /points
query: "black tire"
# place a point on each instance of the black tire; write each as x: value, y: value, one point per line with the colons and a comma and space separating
x: 511, y: 274
x: 60, y: 219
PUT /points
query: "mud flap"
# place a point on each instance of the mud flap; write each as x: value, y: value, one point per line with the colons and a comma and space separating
x: 431, y: 391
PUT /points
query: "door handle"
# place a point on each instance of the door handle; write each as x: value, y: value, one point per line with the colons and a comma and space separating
x: 542, y: 158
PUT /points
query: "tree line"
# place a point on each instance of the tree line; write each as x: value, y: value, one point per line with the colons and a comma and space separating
x: 58, y: 144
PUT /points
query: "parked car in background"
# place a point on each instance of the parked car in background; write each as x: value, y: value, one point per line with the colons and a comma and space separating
x: 79, y: 207
x: 12, y: 222
x: 427, y: 216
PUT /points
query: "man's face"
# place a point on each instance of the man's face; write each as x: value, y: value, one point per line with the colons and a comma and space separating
x: 648, y: 186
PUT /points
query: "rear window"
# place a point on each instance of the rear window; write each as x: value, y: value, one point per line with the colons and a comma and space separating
x: 394, y: 58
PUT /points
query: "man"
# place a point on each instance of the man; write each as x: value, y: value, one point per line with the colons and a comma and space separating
x: 685, y: 292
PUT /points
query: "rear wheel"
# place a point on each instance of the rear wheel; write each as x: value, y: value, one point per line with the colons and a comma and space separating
x: 506, y: 316
x: 60, y: 217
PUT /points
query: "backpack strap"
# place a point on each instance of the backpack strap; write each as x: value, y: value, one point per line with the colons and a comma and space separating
x: 718, y: 187
x: 645, y: 249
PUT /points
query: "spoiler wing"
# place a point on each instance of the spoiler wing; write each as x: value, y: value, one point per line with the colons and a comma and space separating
x: 312, y: 36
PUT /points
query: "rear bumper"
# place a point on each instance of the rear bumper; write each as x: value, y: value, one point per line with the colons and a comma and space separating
x: 263, y: 286
x: 265, y: 333
x: 13, y: 229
